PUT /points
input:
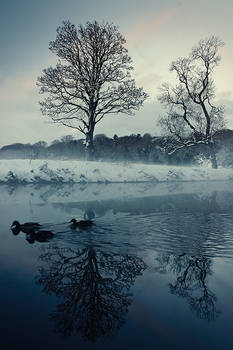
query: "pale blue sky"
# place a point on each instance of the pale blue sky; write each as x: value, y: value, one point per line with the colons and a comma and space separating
x: 157, y: 32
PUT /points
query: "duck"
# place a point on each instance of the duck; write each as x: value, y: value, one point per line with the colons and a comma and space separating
x: 27, y: 227
x: 81, y: 223
x: 39, y: 236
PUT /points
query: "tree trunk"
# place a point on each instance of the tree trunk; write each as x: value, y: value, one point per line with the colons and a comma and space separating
x: 212, y: 151
x: 213, y: 155
x: 90, y: 149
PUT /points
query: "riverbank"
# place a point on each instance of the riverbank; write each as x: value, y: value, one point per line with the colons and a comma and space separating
x: 67, y: 171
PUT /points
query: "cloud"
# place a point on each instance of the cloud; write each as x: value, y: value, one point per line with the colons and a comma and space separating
x: 21, y: 119
x: 226, y: 95
x: 16, y: 90
x: 149, y: 81
x: 145, y: 29
x: 146, y: 74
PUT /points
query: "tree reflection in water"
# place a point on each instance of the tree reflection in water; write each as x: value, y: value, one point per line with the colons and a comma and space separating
x: 94, y: 287
x: 191, y: 282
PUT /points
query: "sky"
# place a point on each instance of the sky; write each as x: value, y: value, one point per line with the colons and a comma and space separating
x: 156, y: 32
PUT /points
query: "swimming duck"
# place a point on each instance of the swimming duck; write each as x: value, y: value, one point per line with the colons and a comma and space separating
x: 81, y: 223
x: 39, y: 236
x: 27, y: 227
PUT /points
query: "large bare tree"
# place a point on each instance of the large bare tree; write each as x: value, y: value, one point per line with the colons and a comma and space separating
x: 192, y: 116
x: 91, y: 79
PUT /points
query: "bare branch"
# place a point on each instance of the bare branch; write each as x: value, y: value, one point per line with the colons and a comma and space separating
x: 191, y: 110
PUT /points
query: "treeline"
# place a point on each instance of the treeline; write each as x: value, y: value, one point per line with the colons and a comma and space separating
x: 135, y: 148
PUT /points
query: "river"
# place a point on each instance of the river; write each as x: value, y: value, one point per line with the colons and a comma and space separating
x: 155, y: 269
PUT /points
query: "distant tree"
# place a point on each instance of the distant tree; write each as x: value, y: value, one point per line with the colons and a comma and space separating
x: 147, y: 137
x: 41, y: 144
x: 39, y: 150
x: 92, y: 78
x: 192, y: 117
x: 56, y: 141
x: 67, y: 138
x: 100, y: 137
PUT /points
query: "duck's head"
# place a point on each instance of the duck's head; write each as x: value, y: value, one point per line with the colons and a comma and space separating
x: 15, y: 225
x: 73, y: 221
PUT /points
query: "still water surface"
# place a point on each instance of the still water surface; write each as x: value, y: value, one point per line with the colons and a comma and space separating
x: 155, y: 271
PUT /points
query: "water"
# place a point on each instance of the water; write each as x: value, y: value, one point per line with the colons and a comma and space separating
x: 154, y: 271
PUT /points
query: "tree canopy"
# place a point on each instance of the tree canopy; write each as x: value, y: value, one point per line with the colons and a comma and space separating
x: 91, y: 79
x: 192, y: 117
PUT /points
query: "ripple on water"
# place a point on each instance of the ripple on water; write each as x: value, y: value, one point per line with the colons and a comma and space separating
x: 169, y: 232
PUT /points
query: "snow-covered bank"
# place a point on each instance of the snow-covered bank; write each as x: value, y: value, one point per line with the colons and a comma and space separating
x: 33, y: 171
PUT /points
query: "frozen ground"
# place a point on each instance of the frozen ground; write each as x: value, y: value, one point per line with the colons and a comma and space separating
x: 36, y: 171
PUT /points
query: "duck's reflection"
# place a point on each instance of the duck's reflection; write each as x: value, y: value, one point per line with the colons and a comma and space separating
x: 191, y: 282
x: 32, y: 230
x: 94, y: 288
x: 41, y: 236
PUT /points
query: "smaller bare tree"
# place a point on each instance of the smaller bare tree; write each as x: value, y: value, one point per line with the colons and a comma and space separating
x: 91, y: 80
x: 192, y: 117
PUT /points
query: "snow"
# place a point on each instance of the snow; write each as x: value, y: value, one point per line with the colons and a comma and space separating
x: 53, y: 171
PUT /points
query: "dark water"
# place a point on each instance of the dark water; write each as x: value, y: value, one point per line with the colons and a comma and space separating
x: 155, y: 271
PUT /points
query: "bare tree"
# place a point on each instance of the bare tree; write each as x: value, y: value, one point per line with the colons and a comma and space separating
x: 91, y: 79
x: 192, y: 117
